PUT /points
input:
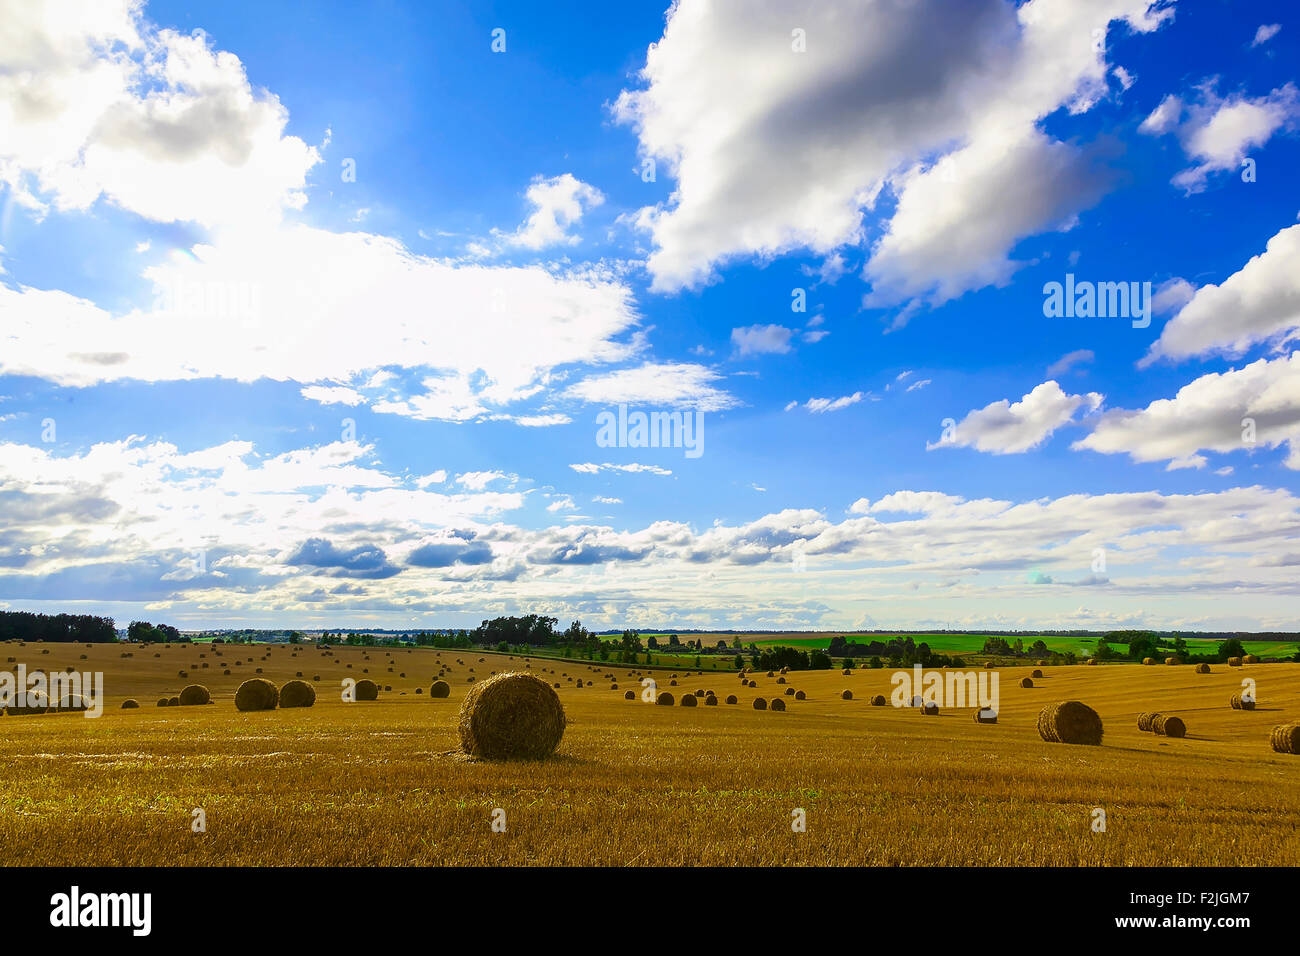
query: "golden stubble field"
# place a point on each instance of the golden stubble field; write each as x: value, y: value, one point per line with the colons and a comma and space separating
x: 638, y: 784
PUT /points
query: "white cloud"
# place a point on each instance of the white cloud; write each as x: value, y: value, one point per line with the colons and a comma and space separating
x: 920, y: 383
x: 761, y: 340
x: 558, y: 203
x: 1172, y: 295
x: 605, y: 500
x: 333, y: 395
x: 1266, y: 32
x: 478, y: 480
x: 820, y: 405
x: 1008, y: 428
x: 96, y: 102
x: 1164, y: 117
x: 665, y: 384
x: 1068, y: 361
x: 775, y: 151
x: 1208, y: 415
x: 563, y: 503
x: 1258, y: 303
x: 591, y: 468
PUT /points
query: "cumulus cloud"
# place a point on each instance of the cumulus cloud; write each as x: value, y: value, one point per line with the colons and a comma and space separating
x: 775, y: 150
x: 1008, y: 428
x: 1209, y: 414
x: 558, y: 203
x: 1258, y: 303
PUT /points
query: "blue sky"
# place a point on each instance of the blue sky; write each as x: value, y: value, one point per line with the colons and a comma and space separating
x: 308, y: 313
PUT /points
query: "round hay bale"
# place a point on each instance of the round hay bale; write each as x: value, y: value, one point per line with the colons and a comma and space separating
x: 986, y: 715
x: 1250, y: 659
x: 366, y: 689
x: 760, y: 703
x: 1091, y: 662
x: 1042, y: 663
x: 1234, y: 661
x: 847, y: 672
x: 780, y: 680
x: 226, y: 672
x: 665, y: 699
x: 511, y: 715
x: 1238, y: 702
x: 1070, y: 722
x: 130, y: 704
x: 1026, y: 682
x: 879, y: 701
x: 789, y: 692
x: 846, y: 694
x: 1148, y: 660
x: 778, y: 703
x: 753, y: 683
x: 731, y: 699
x: 989, y: 665
x: 162, y: 702
x: 315, y: 677
x: 257, y: 693
x: 193, y: 694
x: 699, y: 693
x: 440, y: 688
x: 297, y: 693
x: 1202, y: 668
x: 671, y: 683
x: 73, y: 702
x: 690, y: 700
x: 711, y: 701
x: 800, y: 695
x: 1171, y: 661
x: 1169, y: 726
x: 418, y: 690
x: 1285, y: 738
x: 173, y: 701
x: 1146, y: 721
x: 769, y: 673
x: 1036, y: 673
x: 630, y: 695
x: 931, y: 709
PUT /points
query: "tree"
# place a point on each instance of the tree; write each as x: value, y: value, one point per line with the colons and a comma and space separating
x: 740, y: 662
x: 819, y: 661
x: 1232, y: 647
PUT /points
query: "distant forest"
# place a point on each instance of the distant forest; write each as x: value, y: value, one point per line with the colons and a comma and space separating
x: 58, y: 628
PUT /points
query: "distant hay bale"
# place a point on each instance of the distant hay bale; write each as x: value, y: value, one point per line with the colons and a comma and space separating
x: 1234, y: 661
x: 297, y: 693
x: 800, y: 695
x: 1042, y: 663
x: 1202, y: 668
x: 690, y: 700
x: 1169, y: 726
x: 988, y: 665
x: 665, y: 699
x: 780, y: 680
x: 1238, y: 702
x: 1148, y: 660
x: 710, y: 701
x: 1036, y: 673
x: 1091, y: 662
x: 1171, y: 661
x: 778, y: 703
x: 769, y: 673
x: 986, y: 715
x: 1250, y: 659
x: 162, y: 702
x: 846, y: 694
x: 130, y: 704
x: 315, y: 677
x: 699, y: 693
x: 257, y: 693
x: 511, y: 715
x: 173, y: 701
x: 1285, y: 738
x: 672, y: 683
x: 440, y: 688
x: 1070, y: 722
x: 785, y: 670
x: 193, y: 694
x: 930, y: 709
x: 731, y: 699
x: 1026, y: 682
x: 789, y: 692
x: 226, y: 672
x: 847, y: 672
x: 1146, y: 721
x: 753, y: 683
x: 879, y: 701
x: 760, y: 703
x: 630, y: 695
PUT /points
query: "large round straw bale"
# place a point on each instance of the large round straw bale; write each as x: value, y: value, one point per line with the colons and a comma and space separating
x: 846, y: 694
x: 1285, y: 738
x: 789, y: 692
x: 847, y: 672
x: 781, y: 680
x: 511, y: 714
x: 879, y: 701
x: 800, y: 695
x: 711, y: 701
x: 1026, y: 682
x: 1069, y: 722
x: 630, y: 695
x: 1148, y: 660
x: 1202, y: 668
x: 257, y: 693
x: 989, y: 664
x: 366, y: 689
x: 1238, y: 702
x: 1036, y: 673
x: 440, y: 688
x: 1234, y: 661
x: 130, y: 704
x: 731, y: 699
x: 1171, y: 661
x: 665, y: 699
x: 1250, y: 659
x: 778, y: 703
x: 770, y: 674
x: 162, y: 702
x: 760, y: 703
x: 173, y: 701
x: 1169, y: 726
x: 986, y: 715
x: 930, y: 709
x: 194, y: 694
x: 690, y: 700
x: 297, y: 693
x: 1146, y: 721
x: 1091, y: 662
x: 753, y: 683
